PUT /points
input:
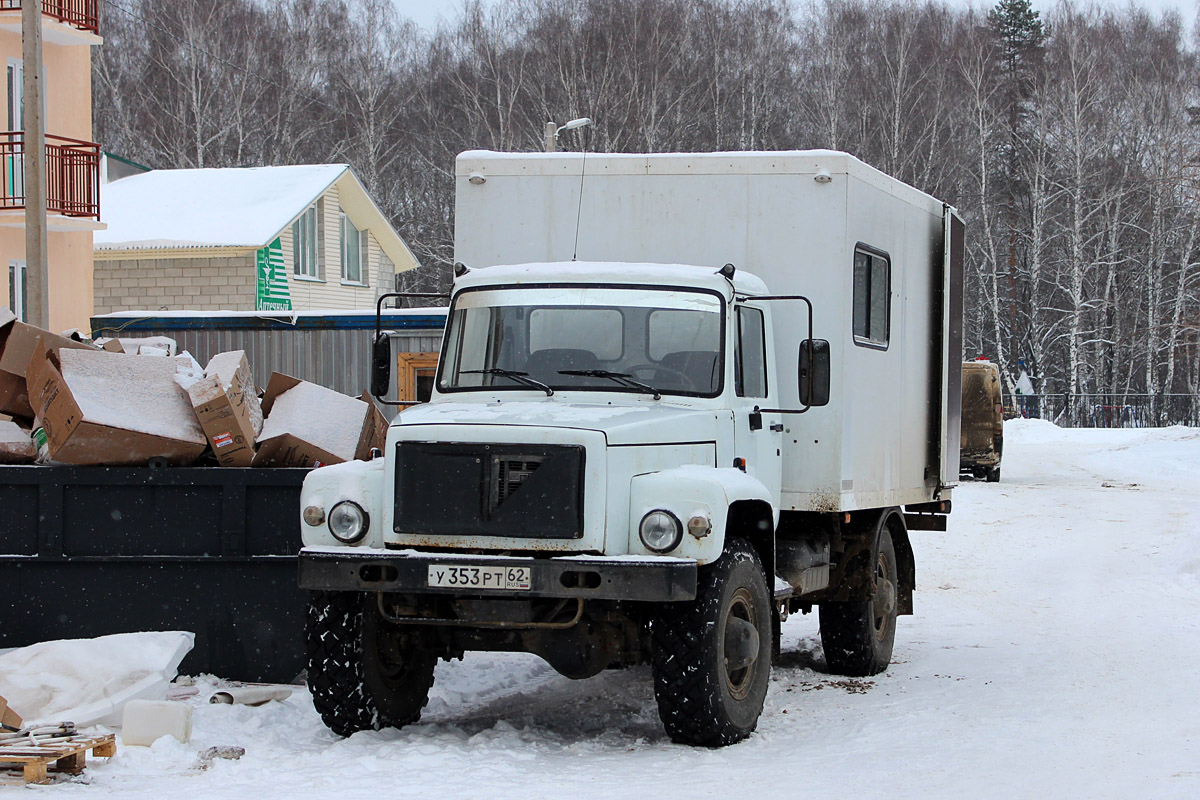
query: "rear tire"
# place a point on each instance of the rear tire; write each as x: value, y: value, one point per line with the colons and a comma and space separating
x: 712, y: 656
x: 364, y: 674
x: 993, y: 475
x: 858, y: 635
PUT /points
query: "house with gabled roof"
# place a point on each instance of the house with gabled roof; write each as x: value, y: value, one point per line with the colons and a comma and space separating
x: 244, y: 239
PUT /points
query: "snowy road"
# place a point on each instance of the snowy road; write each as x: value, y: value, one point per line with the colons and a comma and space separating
x: 1054, y: 653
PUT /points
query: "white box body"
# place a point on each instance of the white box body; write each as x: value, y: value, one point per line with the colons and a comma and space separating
x: 889, y: 435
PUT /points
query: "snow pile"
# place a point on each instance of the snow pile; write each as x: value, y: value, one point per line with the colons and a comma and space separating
x: 86, y: 681
x: 322, y: 417
x: 133, y: 393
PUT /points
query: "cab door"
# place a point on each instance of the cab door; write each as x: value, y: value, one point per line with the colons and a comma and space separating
x: 758, y: 435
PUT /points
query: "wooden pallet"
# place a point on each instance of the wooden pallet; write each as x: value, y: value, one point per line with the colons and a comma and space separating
x: 68, y: 755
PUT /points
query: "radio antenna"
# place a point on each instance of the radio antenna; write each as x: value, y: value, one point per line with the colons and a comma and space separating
x: 552, y: 145
x: 579, y: 207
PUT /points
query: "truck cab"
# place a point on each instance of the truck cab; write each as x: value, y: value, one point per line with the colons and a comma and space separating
x: 611, y: 471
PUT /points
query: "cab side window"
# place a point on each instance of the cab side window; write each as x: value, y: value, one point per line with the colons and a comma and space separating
x: 750, y: 358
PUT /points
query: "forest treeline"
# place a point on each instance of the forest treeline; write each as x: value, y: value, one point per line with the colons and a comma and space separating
x: 1068, y: 143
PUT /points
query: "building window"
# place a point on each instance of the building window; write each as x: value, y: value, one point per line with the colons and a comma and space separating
x: 354, y: 251
x: 414, y: 378
x: 304, y: 245
x: 872, y: 297
x: 16, y: 289
x: 751, y: 354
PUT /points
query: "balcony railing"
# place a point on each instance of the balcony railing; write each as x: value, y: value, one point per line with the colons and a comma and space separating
x: 81, y: 14
x: 72, y: 175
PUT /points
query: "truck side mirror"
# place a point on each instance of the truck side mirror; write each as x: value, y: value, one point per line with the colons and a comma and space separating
x: 381, y: 365
x: 814, y: 372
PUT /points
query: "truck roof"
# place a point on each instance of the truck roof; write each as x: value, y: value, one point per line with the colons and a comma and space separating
x: 487, y: 163
x: 610, y: 272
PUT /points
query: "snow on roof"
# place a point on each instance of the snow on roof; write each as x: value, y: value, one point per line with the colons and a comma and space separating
x: 234, y: 207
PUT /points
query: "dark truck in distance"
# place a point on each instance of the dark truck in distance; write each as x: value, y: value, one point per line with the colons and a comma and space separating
x: 982, y: 421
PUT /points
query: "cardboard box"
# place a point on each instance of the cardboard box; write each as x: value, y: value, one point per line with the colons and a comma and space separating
x: 315, y: 426
x: 16, y: 445
x: 225, y: 406
x: 17, y: 343
x: 9, y: 718
x: 100, y: 408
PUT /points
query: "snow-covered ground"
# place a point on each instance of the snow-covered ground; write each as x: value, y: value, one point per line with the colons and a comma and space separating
x: 1054, y: 653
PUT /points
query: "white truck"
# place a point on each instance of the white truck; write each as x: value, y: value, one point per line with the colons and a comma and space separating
x: 679, y: 397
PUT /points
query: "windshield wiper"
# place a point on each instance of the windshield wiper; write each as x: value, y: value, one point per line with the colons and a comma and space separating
x: 623, y: 378
x: 519, y: 377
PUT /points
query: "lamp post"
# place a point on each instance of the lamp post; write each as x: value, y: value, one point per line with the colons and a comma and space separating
x: 552, y: 131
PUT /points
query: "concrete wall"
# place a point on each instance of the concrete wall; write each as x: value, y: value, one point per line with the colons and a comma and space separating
x: 202, y: 284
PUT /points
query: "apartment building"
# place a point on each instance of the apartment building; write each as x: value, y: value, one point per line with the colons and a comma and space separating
x: 69, y: 32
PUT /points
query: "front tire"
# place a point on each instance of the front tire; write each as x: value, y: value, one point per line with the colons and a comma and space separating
x: 712, y: 656
x: 364, y: 674
x: 858, y: 635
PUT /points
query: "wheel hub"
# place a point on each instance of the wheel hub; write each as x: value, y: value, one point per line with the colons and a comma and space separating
x: 883, y: 603
x: 742, y: 643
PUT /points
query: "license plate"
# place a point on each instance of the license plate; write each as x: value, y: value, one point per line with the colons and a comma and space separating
x: 447, y: 576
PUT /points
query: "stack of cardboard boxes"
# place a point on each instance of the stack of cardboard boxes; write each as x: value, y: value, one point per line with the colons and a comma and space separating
x: 101, y: 406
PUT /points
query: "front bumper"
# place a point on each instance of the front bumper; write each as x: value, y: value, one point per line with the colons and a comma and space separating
x: 641, y: 579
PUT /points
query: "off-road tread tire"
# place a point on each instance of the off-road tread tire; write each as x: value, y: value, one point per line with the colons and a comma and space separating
x: 848, y: 629
x: 687, y: 681
x: 334, y: 643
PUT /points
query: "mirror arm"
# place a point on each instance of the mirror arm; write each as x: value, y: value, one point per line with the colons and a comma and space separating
x: 378, y: 332
x: 811, y: 355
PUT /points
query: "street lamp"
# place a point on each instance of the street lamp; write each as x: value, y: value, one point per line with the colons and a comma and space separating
x: 553, y: 130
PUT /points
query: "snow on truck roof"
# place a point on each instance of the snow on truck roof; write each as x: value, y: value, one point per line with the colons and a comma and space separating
x: 745, y: 162
x: 609, y: 272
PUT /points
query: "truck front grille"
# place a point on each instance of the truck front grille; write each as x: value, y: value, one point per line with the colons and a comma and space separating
x: 522, y: 491
x: 510, y: 474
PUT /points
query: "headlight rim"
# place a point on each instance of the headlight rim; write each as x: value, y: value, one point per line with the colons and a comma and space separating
x: 676, y: 539
x: 362, y: 531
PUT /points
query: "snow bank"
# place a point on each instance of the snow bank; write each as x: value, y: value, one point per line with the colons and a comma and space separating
x: 133, y: 393
x: 88, y: 681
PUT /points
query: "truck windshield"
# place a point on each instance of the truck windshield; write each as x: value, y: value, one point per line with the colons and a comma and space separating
x: 585, y: 338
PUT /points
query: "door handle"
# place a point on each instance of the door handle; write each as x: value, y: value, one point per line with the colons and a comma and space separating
x: 777, y: 427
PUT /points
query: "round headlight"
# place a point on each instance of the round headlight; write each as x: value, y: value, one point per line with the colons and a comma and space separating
x: 348, y: 522
x: 660, y: 531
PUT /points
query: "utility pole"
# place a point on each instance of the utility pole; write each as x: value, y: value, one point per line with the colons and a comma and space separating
x: 37, y: 275
x: 551, y: 137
